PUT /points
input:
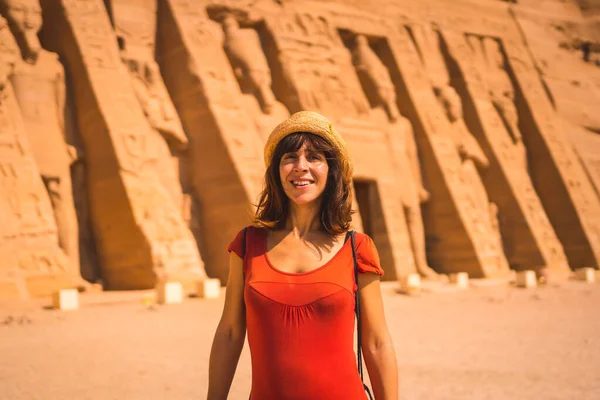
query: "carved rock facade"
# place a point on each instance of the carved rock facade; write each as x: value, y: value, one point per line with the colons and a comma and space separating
x: 132, y: 132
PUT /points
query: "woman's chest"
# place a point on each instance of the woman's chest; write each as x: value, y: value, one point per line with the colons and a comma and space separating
x: 273, y: 303
x: 295, y: 256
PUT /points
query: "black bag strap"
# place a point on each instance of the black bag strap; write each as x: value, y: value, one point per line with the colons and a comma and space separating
x: 352, y: 235
x: 244, y: 252
x: 244, y: 243
x: 244, y: 267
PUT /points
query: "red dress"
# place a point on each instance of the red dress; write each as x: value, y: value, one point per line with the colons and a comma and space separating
x: 301, y: 326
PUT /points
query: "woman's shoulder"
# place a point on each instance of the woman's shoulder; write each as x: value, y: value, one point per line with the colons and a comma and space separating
x: 250, y: 230
x: 363, y: 241
x: 367, y: 254
x: 243, y: 238
x: 362, y: 237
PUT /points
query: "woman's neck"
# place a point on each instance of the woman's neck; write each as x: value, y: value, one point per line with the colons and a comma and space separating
x: 304, y: 218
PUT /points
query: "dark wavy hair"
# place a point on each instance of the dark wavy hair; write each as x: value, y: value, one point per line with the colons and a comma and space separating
x: 273, y: 206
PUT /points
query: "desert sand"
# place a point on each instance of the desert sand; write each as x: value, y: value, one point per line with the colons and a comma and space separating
x: 491, y: 341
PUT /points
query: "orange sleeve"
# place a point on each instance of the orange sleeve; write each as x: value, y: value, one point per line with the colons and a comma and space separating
x: 367, y: 255
x: 236, y: 244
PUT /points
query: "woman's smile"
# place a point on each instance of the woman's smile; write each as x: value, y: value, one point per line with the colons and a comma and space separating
x: 302, y: 183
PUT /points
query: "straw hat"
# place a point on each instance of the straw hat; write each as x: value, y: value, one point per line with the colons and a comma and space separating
x: 311, y: 122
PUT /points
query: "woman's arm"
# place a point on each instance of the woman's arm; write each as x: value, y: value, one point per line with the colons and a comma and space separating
x: 229, y: 337
x: 377, y: 345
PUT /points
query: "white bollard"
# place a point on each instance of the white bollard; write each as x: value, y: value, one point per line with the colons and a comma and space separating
x: 460, y: 279
x: 66, y: 299
x: 526, y: 279
x: 410, y: 283
x: 587, y: 275
x: 148, y: 299
x: 208, y: 288
x: 169, y: 293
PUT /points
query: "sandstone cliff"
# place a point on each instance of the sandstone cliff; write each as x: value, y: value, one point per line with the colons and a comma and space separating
x: 132, y: 131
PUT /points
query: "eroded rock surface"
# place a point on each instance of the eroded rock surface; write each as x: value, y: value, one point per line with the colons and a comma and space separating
x: 133, y: 131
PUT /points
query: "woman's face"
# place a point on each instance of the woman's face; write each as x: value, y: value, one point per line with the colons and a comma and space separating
x: 303, y: 175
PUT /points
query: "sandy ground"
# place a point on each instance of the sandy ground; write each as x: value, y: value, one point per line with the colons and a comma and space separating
x: 487, y: 342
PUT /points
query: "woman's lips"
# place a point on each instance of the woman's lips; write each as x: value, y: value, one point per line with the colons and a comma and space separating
x: 299, y: 184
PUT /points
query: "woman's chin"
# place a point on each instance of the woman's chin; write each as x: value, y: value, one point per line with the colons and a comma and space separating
x: 304, y: 199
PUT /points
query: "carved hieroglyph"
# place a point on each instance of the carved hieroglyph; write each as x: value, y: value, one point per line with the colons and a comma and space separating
x: 135, y: 25
x: 235, y: 69
x: 587, y: 146
x: 139, y: 230
x: 466, y: 238
x: 380, y: 89
x: 311, y: 54
x: 488, y: 58
x: 225, y: 146
x: 565, y: 190
x: 481, y: 75
x: 316, y: 73
x: 558, y: 49
x: 31, y: 261
x: 39, y: 84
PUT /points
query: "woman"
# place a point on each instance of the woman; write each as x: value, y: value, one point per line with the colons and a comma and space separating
x: 292, y: 284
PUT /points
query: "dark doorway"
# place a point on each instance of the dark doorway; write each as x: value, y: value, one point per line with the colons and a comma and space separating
x: 373, y: 222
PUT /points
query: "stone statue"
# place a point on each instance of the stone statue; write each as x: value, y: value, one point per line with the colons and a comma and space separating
x: 473, y: 158
x: 502, y: 93
x: 32, y: 260
x: 135, y: 25
x: 39, y: 84
x: 155, y: 100
x: 471, y: 154
x: 9, y: 52
x: 249, y: 62
x: 467, y: 145
x: 371, y: 68
x: 379, y: 83
x: 252, y: 73
x: 139, y: 231
x: 414, y: 194
x: 528, y: 237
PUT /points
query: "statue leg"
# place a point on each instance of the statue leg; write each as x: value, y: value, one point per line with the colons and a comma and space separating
x: 61, y: 198
x: 417, y: 238
x: 168, y: 169
x: 266, y: 99
x: 261, y: 84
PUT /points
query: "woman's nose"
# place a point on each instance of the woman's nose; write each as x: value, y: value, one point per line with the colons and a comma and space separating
x: 301, y: 164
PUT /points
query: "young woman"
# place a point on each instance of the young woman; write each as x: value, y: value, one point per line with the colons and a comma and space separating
x: 291, y: 283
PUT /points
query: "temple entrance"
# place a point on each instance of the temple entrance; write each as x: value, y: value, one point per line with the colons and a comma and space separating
x: 373, y: 223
